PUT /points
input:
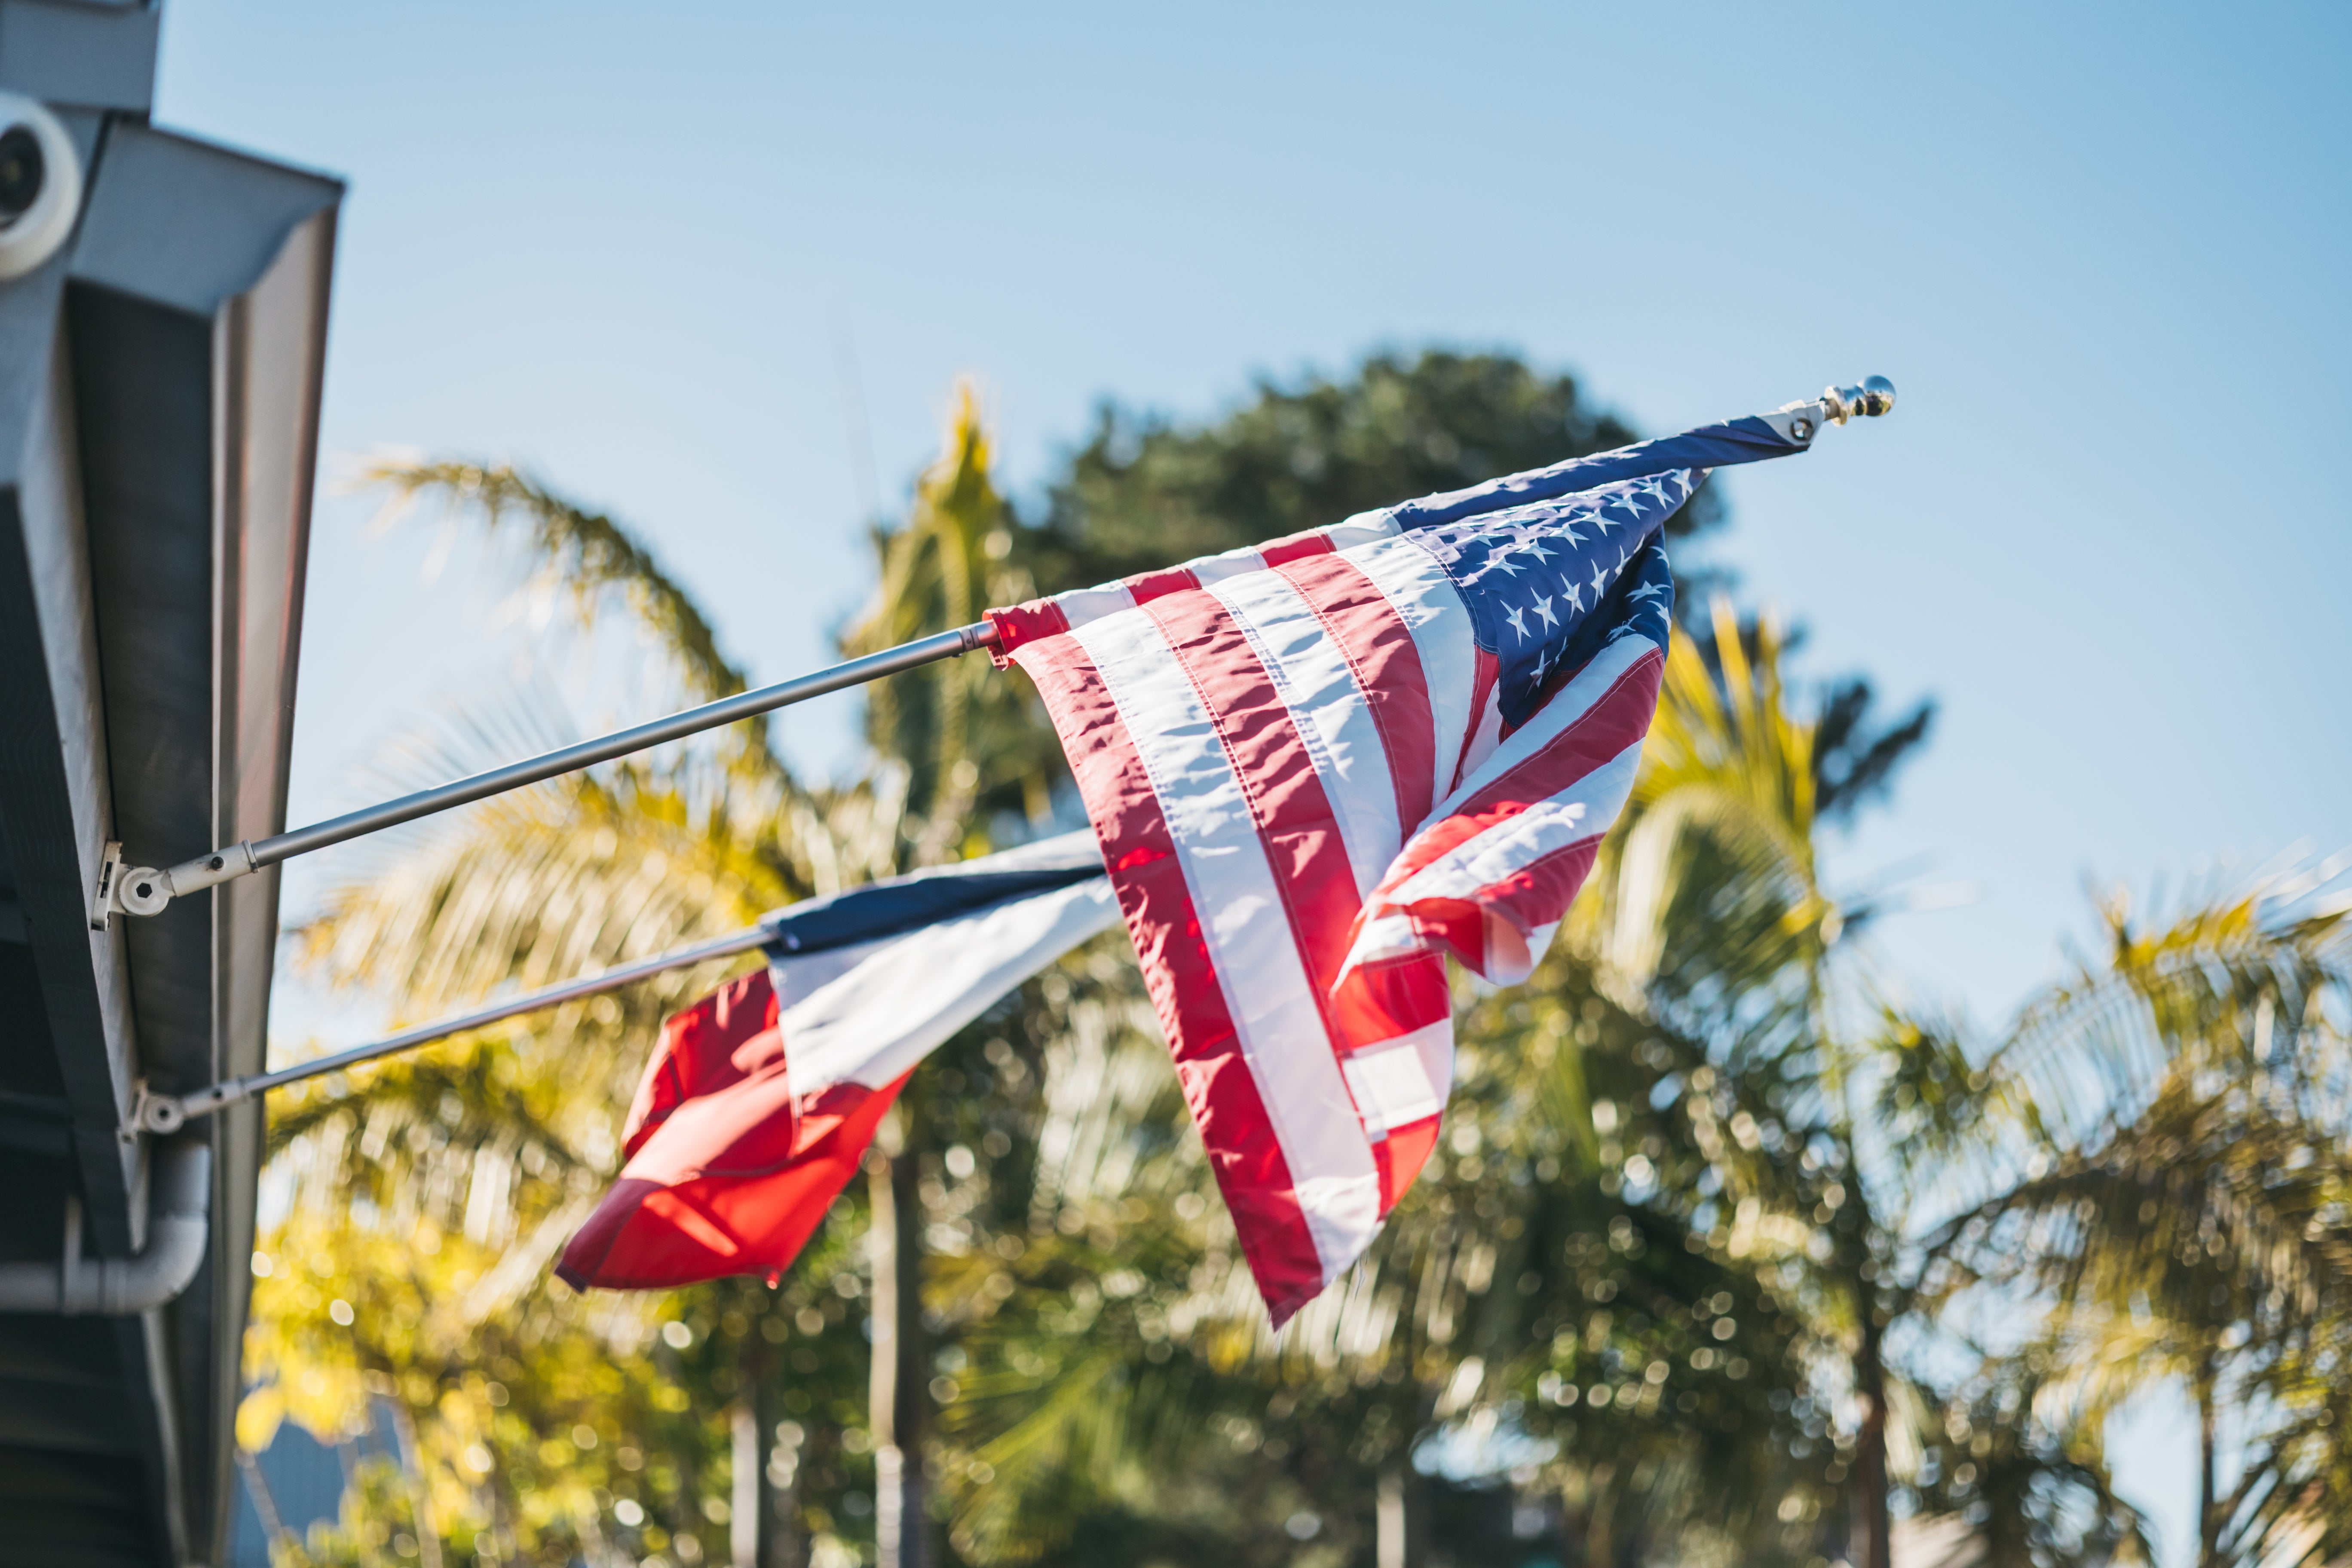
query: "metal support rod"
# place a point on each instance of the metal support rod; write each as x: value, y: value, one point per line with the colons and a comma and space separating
x: 140, y: 891
x: 164, y: 1113
x: 136, y: 890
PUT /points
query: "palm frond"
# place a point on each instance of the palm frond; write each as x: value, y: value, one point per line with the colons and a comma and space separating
x: 586, y: 555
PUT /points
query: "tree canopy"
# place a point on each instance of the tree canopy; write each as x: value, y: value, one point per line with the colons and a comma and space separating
x: 1689, y: 1279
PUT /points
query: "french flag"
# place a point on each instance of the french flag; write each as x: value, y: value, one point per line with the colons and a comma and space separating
x: 762, y: 1097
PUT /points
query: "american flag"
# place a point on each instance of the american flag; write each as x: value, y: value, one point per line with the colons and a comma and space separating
x: 1318, y: 766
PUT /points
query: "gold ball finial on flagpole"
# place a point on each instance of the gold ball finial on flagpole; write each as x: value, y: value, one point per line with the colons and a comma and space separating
x: 1800, y: 422
x: 1875, y: 397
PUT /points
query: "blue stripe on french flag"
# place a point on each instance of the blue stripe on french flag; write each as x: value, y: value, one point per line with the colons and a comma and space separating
x: 754, y: 1110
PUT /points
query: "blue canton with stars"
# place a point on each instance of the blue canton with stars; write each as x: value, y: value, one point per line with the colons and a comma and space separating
x: 1550, y: 583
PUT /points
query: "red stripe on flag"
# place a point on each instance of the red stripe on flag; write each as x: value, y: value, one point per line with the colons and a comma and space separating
x: 1025, y: 623
x: 1275, y: 770
x: 1387, y: 997
x: 1386, y: 665
x: 1487, y: 670
x: 1617, y: 718
x: 1297, y: 547
x: 1153, y: 585
x: 1222, y: 1092
x: 1537, y: 893
x: 1400, y: 1155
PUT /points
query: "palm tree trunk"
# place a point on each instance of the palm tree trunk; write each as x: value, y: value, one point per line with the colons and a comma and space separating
x: 2208, y: 1525
x: 897, y: 1386
x: 1600, y: 1543
x: 1391, y: 1521
x: 744, y: 1527
x: 778, y: 1543
x: 1872, y: 1521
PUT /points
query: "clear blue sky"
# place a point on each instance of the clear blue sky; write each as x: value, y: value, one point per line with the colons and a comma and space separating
x: 2101, y: 250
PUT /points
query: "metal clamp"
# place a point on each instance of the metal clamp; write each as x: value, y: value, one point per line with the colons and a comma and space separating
x: 161, y: 1114
x: 164, y: 1114
x: 126, y: 890
x: 144, y: 890
x: 101, y: 897
x: 148, y: 1113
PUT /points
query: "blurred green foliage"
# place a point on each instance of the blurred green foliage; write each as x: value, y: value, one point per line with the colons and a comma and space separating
x: 1725, y: 1255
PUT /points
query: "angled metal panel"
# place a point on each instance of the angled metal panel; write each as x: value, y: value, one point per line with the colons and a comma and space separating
x: 116, y: 1435
x: 269, y: 364
x: 198, y: 372
x: 159, y: 394
x: 55, y: 808
x: 88, y: 53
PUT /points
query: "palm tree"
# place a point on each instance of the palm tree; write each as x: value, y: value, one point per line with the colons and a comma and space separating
x: 1712, y: 919
x: 2183, y: 1107
x: 975, y: 742
x: 1615, y: 1285
x: 1789, y: 1119
x: 434, y: 1204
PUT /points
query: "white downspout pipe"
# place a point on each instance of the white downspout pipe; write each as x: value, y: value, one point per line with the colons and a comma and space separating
x: 177, y: 1230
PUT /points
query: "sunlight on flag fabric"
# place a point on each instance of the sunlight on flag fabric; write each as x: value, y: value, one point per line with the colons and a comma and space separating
x: 1318, y: 766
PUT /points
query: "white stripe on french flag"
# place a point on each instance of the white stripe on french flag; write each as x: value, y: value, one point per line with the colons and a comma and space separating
x: 755, y: 1108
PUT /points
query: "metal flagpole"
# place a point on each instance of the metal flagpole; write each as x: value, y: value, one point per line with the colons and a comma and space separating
x: 140, y: 890
x: 165, y: 1113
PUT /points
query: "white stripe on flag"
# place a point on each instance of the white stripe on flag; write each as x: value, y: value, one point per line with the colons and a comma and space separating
x: 1583, y: 810
x: 1404, y: 1079
x: 1080, y: 605
x: 1426, y: 601
x: 1232, y: 564
x: 1362, y: 528
x: 1329, y: 710
x: 1569, y: 704
x: 1245, y: 926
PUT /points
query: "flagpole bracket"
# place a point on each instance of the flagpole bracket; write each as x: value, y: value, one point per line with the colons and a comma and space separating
x: 161, y: 1114
x: 126, y: 890
x: 164, y: 1114
x: 209, y: 871
x: 102, y: 898
x: 143, y: 890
